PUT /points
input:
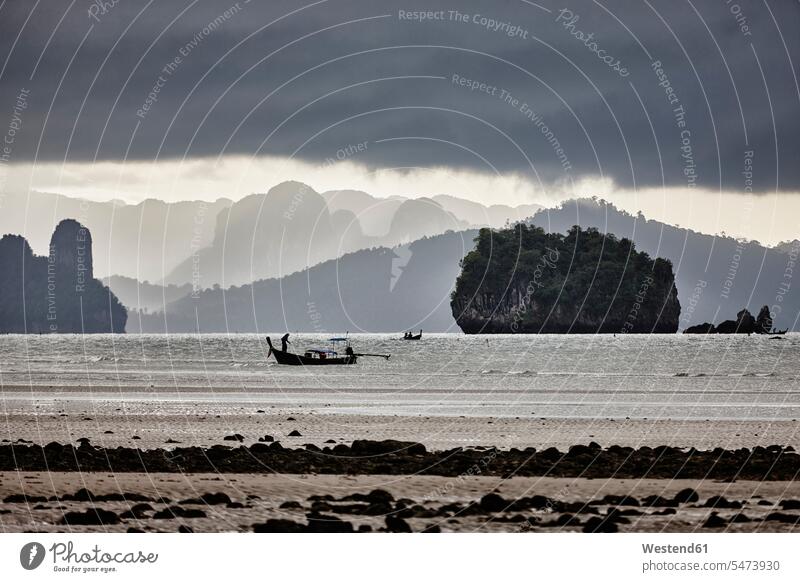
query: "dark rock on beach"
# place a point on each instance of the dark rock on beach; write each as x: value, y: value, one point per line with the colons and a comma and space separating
x: 686, y: 496
x: 387, y: 447
x: 397, y: 525
x: 492, y: 502
x: 719, y: 502
x: 92, y: 516
x: 177, y: 511
x: 740, y: 518
x: 279, y: 526
x: 402, y: 458
x: 375, y: 496
x: 714, y: 521
x: 783, y: 518
x: 208, y: 499
x: 215, y: 499
x: 658, y: 501
x: 600, y: 525
x: 138, y: 511
x: 320, y: 523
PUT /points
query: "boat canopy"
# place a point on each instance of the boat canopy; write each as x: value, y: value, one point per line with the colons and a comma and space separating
x: 338, y: 339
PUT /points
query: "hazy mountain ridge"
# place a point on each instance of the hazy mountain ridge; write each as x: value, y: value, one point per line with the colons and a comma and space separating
x: 389, y: 290
x: 144, y: 241
x: 376, y: 289
x: 188, y: 242
x: 144, y: 296
x: 263, y: 236
x: 788, y: 246
x: 292, y: 227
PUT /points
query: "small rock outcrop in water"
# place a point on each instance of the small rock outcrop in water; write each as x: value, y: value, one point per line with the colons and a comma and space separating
x: 744, y: 323
x: 57, y: 293
x: 523, y: 280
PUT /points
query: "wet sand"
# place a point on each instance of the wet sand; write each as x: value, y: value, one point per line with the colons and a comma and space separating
x: 108, y: 427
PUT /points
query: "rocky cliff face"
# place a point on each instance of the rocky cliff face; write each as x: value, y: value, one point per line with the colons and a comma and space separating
x: 521, y: 280
x: 57, y: 293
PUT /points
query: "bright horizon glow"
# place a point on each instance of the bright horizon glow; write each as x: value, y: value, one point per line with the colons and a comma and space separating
x: 768, y: 218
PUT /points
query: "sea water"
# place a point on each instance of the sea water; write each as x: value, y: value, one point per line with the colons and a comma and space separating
x: 554, y: 376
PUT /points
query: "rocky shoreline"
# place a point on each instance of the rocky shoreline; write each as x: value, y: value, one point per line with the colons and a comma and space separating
x: 389, y: 457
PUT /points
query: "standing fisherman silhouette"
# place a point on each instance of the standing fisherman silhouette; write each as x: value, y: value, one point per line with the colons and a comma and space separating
x: 284, y: 342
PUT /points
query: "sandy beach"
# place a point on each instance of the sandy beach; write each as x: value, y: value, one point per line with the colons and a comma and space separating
x: 591, y: 441
x: 108, y: 427
x: 422, y: 502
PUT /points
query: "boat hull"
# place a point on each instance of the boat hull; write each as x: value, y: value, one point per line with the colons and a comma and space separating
x: 289, y: 359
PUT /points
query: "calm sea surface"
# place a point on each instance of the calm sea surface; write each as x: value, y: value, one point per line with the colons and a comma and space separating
x: 558, y: 376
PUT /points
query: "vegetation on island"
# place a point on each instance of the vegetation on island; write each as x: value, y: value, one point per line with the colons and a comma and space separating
x: 524, y: 280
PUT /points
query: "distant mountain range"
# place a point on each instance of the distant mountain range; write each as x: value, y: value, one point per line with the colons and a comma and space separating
x: 788, y: 246
x: 226, y: 243
x: 292, y: 227
x: 145, y: 241
x: 145, y: 296
x: 293, y: 233
x: 409, y: 287
x: 374, y: 290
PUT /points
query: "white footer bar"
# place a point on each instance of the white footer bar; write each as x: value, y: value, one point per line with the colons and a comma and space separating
x: 381, y: 557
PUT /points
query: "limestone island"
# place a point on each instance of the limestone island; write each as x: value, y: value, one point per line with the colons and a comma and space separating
x: 523, y: 280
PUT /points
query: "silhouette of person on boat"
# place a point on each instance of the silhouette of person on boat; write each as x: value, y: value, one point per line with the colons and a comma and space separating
x: 284, y: 342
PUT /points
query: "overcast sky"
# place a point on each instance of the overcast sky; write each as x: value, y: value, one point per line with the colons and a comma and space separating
x: 664, y: 104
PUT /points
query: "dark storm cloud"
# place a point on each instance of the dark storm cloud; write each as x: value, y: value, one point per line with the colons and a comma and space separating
x: 359, y: 72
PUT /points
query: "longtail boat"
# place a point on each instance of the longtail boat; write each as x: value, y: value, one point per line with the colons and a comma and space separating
x: 318, y: 357
x: 411, y: 336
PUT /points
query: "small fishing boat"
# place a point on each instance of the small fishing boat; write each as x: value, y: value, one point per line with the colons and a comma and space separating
x: 411, y: 336
x: 318, y: 357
